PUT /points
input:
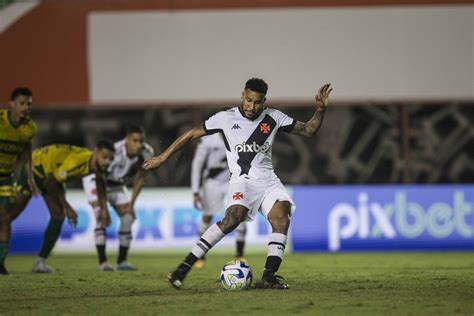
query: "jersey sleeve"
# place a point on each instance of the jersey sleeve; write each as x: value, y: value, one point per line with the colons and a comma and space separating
x: 215, y: 123
x: 285, y: 123
x: 199, y: 161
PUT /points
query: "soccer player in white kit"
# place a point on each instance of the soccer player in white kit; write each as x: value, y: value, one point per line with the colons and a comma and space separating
x: 210, y: 174
x: 249, y: 131
x: 129, y: 156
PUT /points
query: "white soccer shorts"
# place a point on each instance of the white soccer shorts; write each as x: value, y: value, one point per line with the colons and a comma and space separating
x: 257, y: 196
x: 213, y: 196
x: 116, y: 195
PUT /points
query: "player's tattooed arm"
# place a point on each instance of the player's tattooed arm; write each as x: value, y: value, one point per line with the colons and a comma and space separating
x: 178, y: 144
x: 310, y: 128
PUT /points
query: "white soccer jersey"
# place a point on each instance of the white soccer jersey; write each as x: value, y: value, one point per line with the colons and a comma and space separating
x: 249, y: 142
x: 209, y: 162
x: 123, y: 167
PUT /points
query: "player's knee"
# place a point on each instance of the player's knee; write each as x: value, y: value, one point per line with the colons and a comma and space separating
x: 127, y: 219
x: 207, y: 219
x: 280, y: 218
x: 232, y: 219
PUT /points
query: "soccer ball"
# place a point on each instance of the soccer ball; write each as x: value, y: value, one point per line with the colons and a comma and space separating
x: 236, y: 276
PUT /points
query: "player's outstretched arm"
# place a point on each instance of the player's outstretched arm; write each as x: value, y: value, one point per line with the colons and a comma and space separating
x: 310, y: 128
x: 178, y: 144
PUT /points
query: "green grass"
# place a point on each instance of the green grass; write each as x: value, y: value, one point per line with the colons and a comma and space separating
x: 368, y: 283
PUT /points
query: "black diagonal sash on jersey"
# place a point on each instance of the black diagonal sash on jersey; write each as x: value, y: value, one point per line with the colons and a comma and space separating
x: 245, y: 158
x: 215, y: 171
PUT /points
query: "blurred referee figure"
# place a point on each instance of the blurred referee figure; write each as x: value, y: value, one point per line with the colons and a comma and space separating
x: 130, y: 153
x: 210, y: 174
x: 249, y: 131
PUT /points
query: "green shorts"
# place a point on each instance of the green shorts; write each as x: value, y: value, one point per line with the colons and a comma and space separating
x: 7, y: 191
x: 23, y: 186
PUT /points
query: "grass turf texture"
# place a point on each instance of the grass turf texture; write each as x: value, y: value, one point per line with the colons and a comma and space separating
x: 368, y: 283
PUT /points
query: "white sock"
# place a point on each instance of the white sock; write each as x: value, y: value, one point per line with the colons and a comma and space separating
x: 125, y: 230
x: 210, y: 237
x: 100, y: 236
x: 276, y: 245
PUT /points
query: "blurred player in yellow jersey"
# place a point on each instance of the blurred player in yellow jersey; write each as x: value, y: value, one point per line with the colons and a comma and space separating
x: 53, y: 166
x: 17, y: 130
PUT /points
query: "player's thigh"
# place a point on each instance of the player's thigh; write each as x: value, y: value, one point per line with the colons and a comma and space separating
x: 21, y: 201
x: 275, y: 192
x: 119, y: 198
x: 246, y: 193
x: 4, y: 219
x: 7, y: 198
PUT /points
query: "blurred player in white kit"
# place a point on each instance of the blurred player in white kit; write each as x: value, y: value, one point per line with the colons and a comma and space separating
x: 130, y: 153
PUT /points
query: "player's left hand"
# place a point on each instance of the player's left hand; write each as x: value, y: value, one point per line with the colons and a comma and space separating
x: 33, y: 187
x: 71, y: 215
x: 322, y: 97
x: 154, y: 162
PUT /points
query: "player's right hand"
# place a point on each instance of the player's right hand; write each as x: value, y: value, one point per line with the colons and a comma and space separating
x: 104, y: 218
x: 154, y: 162
x: 33, y: 187
x: 71, y: 217
x: 197, y: 201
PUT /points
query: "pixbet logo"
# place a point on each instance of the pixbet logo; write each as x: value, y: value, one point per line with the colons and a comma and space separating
x: 252, y: 148
x: 402, y: 217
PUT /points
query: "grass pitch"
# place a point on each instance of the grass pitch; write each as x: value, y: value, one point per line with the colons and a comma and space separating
x: 368, y: 283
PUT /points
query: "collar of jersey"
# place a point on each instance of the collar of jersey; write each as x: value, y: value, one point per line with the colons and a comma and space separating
x: 256, y: 116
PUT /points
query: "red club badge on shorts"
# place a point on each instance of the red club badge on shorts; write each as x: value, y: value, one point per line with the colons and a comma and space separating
x: 238, y: 196
x: 265, y: 128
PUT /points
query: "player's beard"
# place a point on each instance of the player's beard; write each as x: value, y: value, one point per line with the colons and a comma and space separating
x: 256, y: 114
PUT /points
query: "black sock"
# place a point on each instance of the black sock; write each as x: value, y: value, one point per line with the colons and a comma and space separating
x: 101, y: 253
x: 186, y: 265
x: 240, y: 248
x: 272, y: 265
x: 123, y: 251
